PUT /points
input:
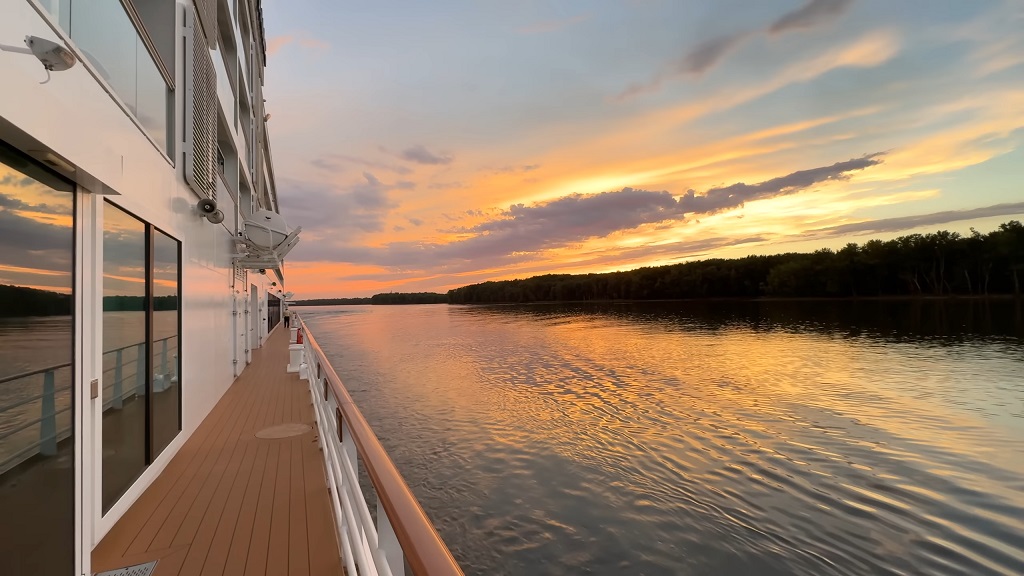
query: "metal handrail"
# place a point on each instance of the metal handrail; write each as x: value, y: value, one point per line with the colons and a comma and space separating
x: 421, y: 545
x: 47, y: 419
x: 13, y: 377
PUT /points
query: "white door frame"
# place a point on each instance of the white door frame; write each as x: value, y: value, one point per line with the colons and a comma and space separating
x: 88, y: 321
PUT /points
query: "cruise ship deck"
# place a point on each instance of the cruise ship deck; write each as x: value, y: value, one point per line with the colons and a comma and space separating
x: 231, y: 502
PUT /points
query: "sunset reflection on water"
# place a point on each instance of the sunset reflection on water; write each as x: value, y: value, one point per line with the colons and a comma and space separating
x: 668, y: 438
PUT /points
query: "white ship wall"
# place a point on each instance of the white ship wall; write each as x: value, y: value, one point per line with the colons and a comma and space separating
x: 74, y: 116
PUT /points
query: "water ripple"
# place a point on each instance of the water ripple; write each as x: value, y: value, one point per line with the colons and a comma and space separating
x: 552, y: 440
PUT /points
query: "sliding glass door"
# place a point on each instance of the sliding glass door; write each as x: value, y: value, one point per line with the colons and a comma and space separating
x: 166, y: 350
x: 125, y: 362
x: 37, y: 482
x: 141, y: 343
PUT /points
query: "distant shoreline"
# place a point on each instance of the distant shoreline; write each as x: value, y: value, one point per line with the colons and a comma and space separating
x: 890, y: 298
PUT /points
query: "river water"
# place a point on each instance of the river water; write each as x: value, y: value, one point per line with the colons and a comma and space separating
x: 722, y: 438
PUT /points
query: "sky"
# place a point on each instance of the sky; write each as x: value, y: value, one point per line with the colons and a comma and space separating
x: 423, y: 146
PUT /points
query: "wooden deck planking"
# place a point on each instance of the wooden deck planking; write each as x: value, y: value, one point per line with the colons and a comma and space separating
x: 298, y: 562
x: 189, y: 468
x: 230, y: 503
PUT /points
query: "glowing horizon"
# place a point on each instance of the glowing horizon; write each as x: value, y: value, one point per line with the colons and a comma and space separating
x: 423, y: 148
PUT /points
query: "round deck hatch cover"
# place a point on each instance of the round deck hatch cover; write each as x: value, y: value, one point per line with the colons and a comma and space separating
x: 284, y: 430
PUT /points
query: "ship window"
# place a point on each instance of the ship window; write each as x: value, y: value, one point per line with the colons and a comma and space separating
x: 142, y: 348
x: 37, y: 475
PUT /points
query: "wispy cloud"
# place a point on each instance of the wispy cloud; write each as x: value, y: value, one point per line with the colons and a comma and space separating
x: 578, y: 217
x: 916, y: 221
x: 276, y: 43
x: 872, y: 49
x: 723, y: 198
x: 697, y: 60
x: 522, y: 230
x: 336, y: 163
x: 707, y: 54
x: 12, y: 203
x: 331, y: 212
x: 420, y: 155
x: 313, y: 43
x: 514, y: 169
x: 811, y: 14
x: 546, y: 26
x: 446, y: 185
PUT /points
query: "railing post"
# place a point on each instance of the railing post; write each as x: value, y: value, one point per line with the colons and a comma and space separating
x: 48, y: 425
x: 348, y: 446
x: 118, y: 400
x: 163, y: 365
x: 140, y: 370
x: 160, y: 378
x: 388, y: 543
x: 296, y: 354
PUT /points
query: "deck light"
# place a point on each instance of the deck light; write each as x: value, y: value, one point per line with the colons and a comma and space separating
x: 53, y: 56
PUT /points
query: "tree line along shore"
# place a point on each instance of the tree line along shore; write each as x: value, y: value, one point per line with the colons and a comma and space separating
x: 940, y: 264
x: 937, y: 265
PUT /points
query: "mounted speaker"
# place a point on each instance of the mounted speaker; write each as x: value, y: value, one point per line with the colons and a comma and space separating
x: 207, y: 208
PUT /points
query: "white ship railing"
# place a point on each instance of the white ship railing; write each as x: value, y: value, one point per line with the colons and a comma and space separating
x: 403, y: 536
x: 125, y: 382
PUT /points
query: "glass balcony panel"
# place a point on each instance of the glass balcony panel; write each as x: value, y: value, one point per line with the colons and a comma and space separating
x: 225, y: 90
x: 153, y: 98
x: 60, y: 10
x: 103, y: 32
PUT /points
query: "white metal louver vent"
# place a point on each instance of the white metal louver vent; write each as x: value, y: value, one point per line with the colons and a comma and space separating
x: 200, y: 112
x: 207, y: 10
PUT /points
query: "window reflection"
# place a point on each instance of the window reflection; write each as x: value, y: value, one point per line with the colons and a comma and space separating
x: 166, y: 342
x: 36, y: 377
x: 142, y: 348
x: 124, y: 358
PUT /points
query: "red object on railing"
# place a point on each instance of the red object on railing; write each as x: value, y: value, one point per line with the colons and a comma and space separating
x: 298, y: 336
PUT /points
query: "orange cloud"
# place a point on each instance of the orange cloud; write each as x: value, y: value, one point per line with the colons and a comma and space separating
x: 277, y: 42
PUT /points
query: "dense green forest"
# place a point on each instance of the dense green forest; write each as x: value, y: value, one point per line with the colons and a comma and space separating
x: 330, y: 302
x: 135, y: 303
x: 938, y: 264
x: 21, y: 301
x: 384, y: 298
x: 409, y: 298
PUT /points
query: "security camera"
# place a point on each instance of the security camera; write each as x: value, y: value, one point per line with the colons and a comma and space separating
x: 53, y: 56
x: 207, y: 208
